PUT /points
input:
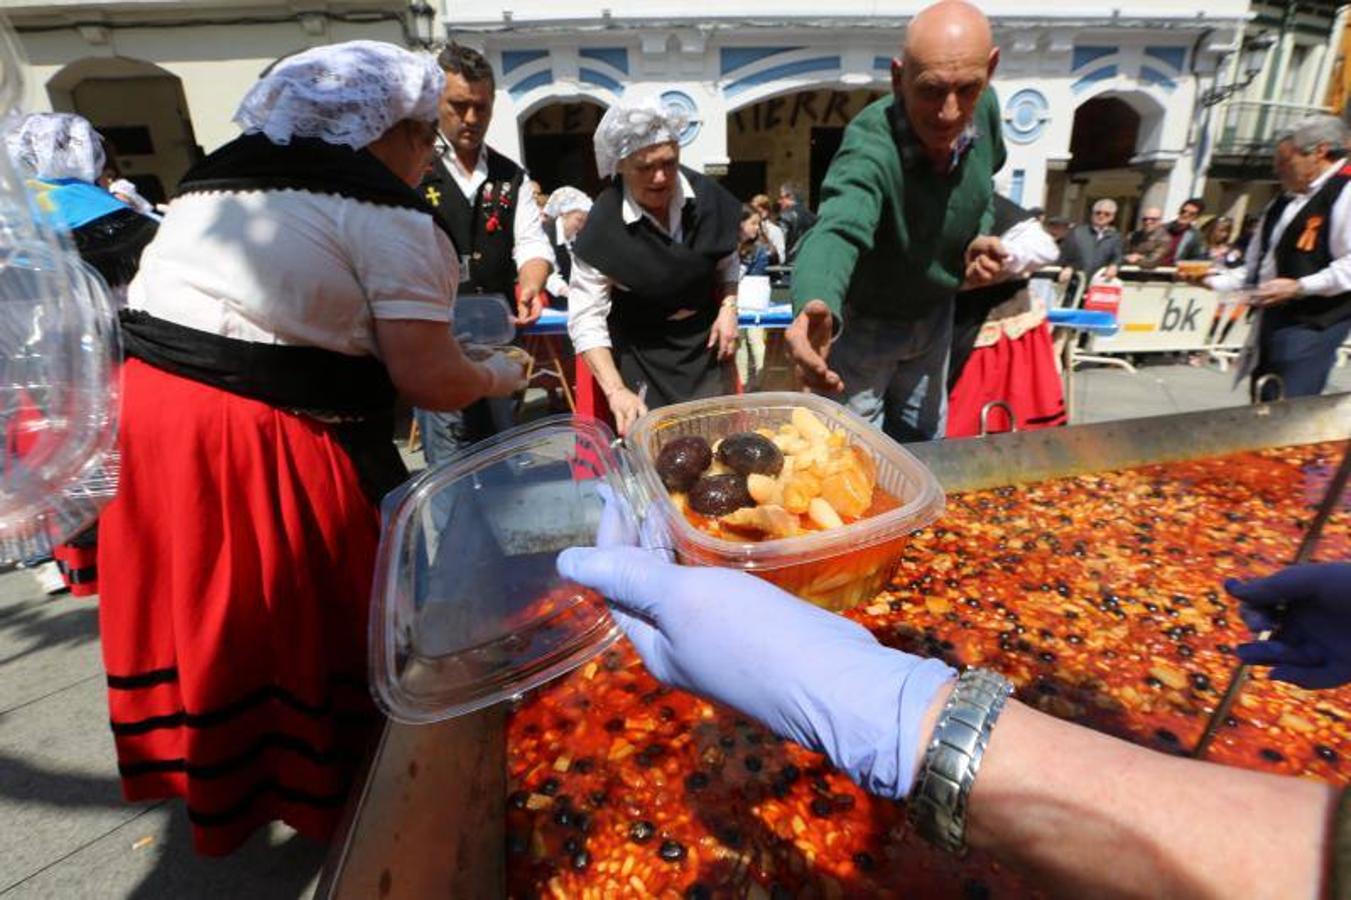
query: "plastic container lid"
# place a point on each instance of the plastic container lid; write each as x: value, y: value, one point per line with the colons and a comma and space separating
x: 467, y: 607
x: 899, y: 473
x: 483, y: 319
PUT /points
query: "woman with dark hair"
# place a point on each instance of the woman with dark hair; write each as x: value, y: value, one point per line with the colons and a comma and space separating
x: 298, y: 283
x: 752, y: 250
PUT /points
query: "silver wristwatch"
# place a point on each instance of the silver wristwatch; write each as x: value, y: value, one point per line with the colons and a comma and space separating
x: 937, y: 803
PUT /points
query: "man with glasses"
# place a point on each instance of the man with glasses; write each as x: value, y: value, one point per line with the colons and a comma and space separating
x: 1147, y: 242
x: 1184, y: 238
x: 1096, y: 246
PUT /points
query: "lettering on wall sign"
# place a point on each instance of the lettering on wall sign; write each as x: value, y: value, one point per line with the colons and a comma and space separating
x: 819, y: 108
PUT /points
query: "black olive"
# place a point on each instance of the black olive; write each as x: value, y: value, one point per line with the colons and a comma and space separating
x: 698, y: 891
x: 581, y: 821
x: 718, y: 495
x: 517, y: 799
x: 584, y: 765
x: 822, y: 807
x: 864, y: 861
x: 1326, y: 753
x: 597, y: 799
x: 671, y: 851
x: 1272, y: 755
x: 641, y: 831
x: 753, y: 763
x: 563, y: 817
x: 696, y: 781
x: 790, y: 773
x: 1200, y: 682
x: 750, y: 453
x: 682, y: 461
x: 580, y: 860
x: 549, y: 787
x: 572, y: 845
x: 1166, y: 736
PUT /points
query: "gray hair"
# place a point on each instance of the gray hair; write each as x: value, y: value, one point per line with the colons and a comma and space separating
x: 1105, y: 203
x: 1307, y: 134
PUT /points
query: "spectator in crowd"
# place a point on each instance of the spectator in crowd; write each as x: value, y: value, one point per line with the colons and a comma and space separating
x: 795, y: 219
x: 774, y: 235
x: 1058, y: 227
x: 484, y: 200
x: 1148, y: 241
x: 565, y: 215
x: 1096, y: 246
x: 1301, y: 265
x: 1220, y: 248
x: 907, y: 202
x: 1184, y: 239
x: 753, y: 250
x: 652, y: 305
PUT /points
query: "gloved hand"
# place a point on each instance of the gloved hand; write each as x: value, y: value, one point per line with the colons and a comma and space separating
x: 1312, y: 647
x: 508, y: 375
x: 807, y: 674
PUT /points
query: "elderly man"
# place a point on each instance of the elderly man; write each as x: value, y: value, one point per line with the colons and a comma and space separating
x: 1096, y: 246
x: 906, y: 201
x: 1299, y: 264
x: 652, y: 300
x: 1149, y: 241
x: 488, y: 207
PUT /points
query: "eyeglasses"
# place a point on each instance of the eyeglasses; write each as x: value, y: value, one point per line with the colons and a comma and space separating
x: 1150, y: 218
x: 1103, y: 212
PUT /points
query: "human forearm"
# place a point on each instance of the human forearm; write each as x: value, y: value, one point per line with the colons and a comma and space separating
x: 532, y: 275
x: 428, y: 367
x: 1095, y: 816
x: 601, y: 362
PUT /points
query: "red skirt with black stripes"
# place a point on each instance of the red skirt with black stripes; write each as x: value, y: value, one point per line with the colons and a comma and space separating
x: 1019, y: 371
x: 235, y: 571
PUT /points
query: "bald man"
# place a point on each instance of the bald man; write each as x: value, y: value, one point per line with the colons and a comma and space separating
x: 904, y: 221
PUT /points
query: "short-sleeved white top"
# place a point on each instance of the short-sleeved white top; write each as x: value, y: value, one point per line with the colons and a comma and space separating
x: 291, y: 267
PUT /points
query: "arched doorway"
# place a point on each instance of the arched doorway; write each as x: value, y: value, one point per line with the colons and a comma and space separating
x: 1112, y: 155
x: 792, y: 137
x: 557, y: 142
x: 140, y: 110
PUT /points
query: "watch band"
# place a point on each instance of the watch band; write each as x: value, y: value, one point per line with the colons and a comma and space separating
x: 937, y: 803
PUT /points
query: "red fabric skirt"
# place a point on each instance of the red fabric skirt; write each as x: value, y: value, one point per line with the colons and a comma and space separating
x: 235, y: 566
x: 1020, y: 372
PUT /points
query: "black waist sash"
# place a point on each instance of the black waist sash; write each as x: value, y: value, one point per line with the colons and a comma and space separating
x: 352, y: 395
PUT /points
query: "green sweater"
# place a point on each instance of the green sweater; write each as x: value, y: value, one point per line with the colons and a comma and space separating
x: 892, y: 234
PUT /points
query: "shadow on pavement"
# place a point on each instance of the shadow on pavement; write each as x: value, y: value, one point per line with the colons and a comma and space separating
x: 33, y: 628
x: 275, y: 864
x: 27, y: 783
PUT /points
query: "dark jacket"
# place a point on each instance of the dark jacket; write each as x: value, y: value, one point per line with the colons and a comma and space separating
x: 1088, y: 251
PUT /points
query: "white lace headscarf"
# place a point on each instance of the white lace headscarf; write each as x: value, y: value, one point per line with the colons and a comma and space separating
x: 566, y: 200
x: 633, y: 125
x: 347, y: 94
x: 56, y: 145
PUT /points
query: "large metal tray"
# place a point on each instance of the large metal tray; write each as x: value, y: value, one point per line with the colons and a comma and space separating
x: 427, y: 819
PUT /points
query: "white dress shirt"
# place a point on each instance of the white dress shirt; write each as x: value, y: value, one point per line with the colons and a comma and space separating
x: 528, y: 237
x: 1335, y: 279
x: 589, y: 288
x: 776, y: 240
x: 291, y: 267
x: 557, y: 285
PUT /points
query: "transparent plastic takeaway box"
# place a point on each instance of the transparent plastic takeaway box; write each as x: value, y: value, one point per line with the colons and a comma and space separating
x: 467, y: 606
x: 836, y: 569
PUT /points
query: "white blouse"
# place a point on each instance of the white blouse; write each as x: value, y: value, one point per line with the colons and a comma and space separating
x: 291, y: 267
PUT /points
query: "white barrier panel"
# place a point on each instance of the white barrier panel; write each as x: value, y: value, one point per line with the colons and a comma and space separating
x: 1160, y: 317
x: 1233, y: 322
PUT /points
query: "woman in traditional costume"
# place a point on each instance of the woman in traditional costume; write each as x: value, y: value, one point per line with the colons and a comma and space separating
x: 652, y: 298
x: 297, y: 283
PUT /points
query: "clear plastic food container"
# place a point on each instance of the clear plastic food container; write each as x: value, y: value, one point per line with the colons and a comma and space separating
x: 467, y: 607
x: 835, y: 569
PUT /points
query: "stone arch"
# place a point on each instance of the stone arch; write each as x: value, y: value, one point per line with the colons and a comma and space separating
x: 140, y: 109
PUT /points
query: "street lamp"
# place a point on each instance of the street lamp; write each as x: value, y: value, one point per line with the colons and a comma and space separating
x: 1254, y: 50
x: 424, y: 23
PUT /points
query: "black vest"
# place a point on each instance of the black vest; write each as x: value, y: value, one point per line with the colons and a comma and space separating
x: 1304, y: 248
x: 663, y: 275
x: 482, y: 227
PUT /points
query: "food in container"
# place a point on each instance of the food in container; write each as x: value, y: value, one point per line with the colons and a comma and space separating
x: 828, y: 501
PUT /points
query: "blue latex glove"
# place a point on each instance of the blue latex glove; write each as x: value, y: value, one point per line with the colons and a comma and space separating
x: 807, y: 674
x: 1313, y: 646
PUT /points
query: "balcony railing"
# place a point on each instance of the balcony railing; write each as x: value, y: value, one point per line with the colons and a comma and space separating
x: 1251, y: 127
